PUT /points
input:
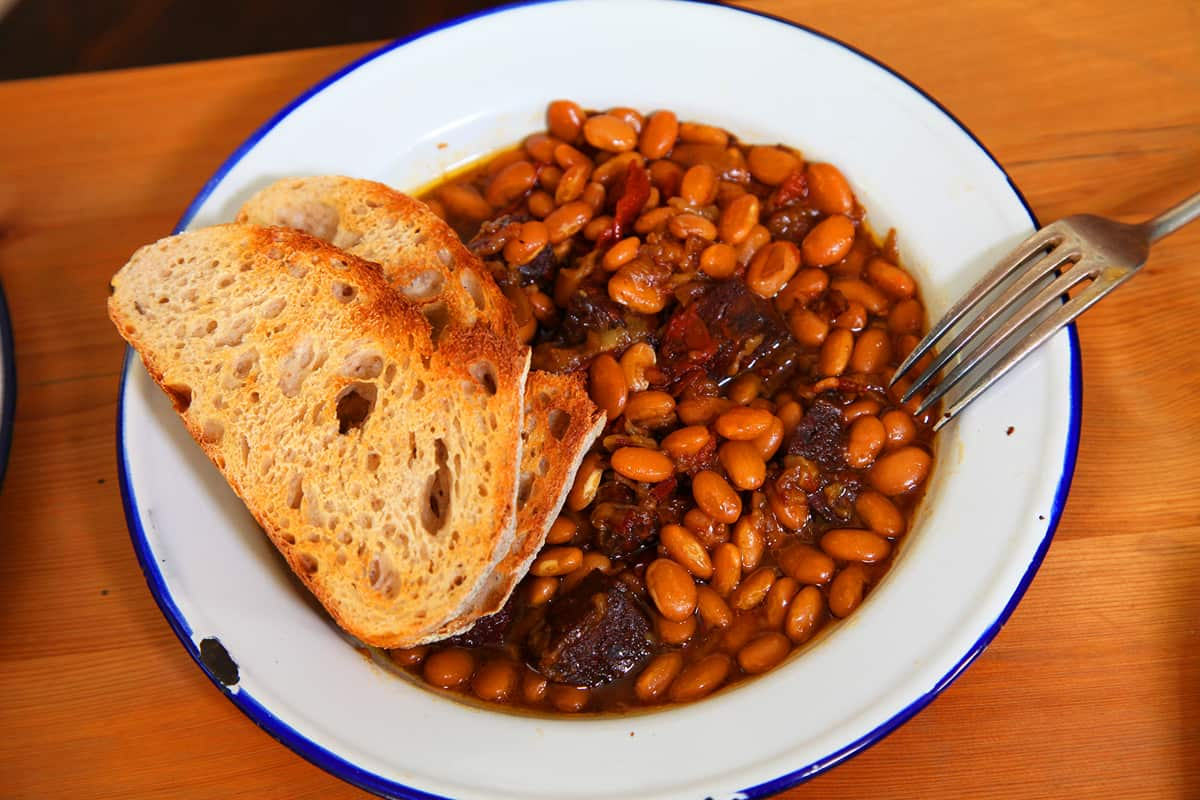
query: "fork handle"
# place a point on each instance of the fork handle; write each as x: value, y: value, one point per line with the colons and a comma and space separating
x: 1173, y: 218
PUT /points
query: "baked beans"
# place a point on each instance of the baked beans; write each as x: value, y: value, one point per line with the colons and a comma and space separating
x: 737, y: 322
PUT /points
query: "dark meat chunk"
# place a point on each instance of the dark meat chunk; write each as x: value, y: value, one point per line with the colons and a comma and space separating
x: 724, y: 332
x: 488, y: 631
x: 626, y: 518
x: 592, y: 635
x: 589, y: 309
x: 821, y: 436
x: 593, y: 324
x: 491, y: 239
x: 835, y: 500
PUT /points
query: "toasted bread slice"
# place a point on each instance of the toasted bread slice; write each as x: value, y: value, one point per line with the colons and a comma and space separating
x: 408, y: 240
x: 381, y: 464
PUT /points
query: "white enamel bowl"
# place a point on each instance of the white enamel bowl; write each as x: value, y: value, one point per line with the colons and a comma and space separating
x: 416, y: 108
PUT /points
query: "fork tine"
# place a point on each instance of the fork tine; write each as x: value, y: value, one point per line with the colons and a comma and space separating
x: 1002, y: 335
x: 1039, y: 240
x: 1104, y: 283
x: 1030, y: 276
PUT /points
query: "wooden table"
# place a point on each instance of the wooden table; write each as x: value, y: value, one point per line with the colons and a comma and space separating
x: 1093, y: 687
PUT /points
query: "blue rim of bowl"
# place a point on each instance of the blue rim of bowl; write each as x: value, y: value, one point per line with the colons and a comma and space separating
x: 369, y: 781
x: 8, y: 389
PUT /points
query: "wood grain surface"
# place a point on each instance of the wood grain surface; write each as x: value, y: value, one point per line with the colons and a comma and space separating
x: 1093, y: 687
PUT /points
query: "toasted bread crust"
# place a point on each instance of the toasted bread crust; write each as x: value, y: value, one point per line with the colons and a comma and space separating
x: 261, y: 337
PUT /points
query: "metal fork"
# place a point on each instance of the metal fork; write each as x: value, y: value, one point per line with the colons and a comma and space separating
x: 1073, y: 250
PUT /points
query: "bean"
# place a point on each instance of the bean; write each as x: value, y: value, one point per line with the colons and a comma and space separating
x: 835, y: 352
x: 567, y: 220
x: 682, y: 546
x: 899, y: 427
x: 828, y: 242
x: 654, y: 680
x: 666, y: 176
x: 804, y: 615
x: 555, y: 562
x: 533, y: 687
x: 727, y: 568
x: 855, y: 290
x: 779, y: 599
x: 899, y: 471
x: 609, y: 133
x: 634, y: 363
x: 462, y: 200
x: 541, y: 590
x: 806, y: 564
x: 591, y: 563
x: 758, y: 238
x: 854, y: 544
x: 569, y: 699
x: 594, y: 195
x: 846, y: 591
x: 570, y: 186
x: 630, y: 116
x: 710, y: 532
x: 540, y: 204
x: 763, y: 652
x: 615, y: 168
x: 676, y: 633
x: 738, y: 219
x: 880, y: 514
x: 872, y: 351
x: 540, y: 147
x: 749, y: 534
x: 642, y: 464
x: 807, y: 327
x: 828, y: 191
x: 606, y: 385
x: 523, y: 247
x: 789, y: 507
x: 743, y: 464
x: 702, y: 410
x: 587, y: 481
x: 700, y: 678
x: 564, y: 120
x: 650, y: 409
x: 634, y: 286
x: 907, y: 316
x: 805, y: 286
x: 768, y: 442
x: 854, y: 318
x: 753, y: 590
x: 860, y: 408
x: 511, y: 183
x: 621, y: 253
x: 684, y: 225
x: 658, y: 135
x: 686, y: 441
x: 549, y: 177
x: 743, y: 423
x: 695, y: 133
x: 409, y: 656
x: 716, y: 497
x: 699, y: 185
x: 449, y: 669
x: 864, y: 441
x: 671, y: 588
x: 495, y: 681
x: 745, y: 388
x: 718, y: 261
x: 771, y: 165
x: 771, y: 268
x: 712, y: 608
x: 892, y: 280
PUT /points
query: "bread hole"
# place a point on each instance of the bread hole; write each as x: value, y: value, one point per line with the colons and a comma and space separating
x: 381, y: 575
x: 344, y: 292
x: 524, y: 488
x: 485, y: 373
x: 445, y: 256
x: 458, y: 581
x: 297, y: 269
x: 362, y: 364
x: 543, y: 465
x: 425, y: 285
x: 559, y: 421
x: 412, y: 447
x: 338, y: 263
x: 438, y: 317
x: 354, y: 405
x: 295, y: 366
x: 345, y: 538
x: 245, y: 362
x: 288, y: 538
x: 311, y: 217
x: 274, y: 307
x: 254, y: 397
x: 419, y: 390
x: 237, y: 329
x: 137, y: 306
x: 274, y: 253
x: 389, y: 375
x: 162, y: 301
x: 340, y: 558
x: 181, y: 396
x: 345, y: 239
x: 377, y: 506
x: 436, y: 508
x: 492, y: 423
x: 483, y: 490
x: 373, y: 463
x: 295, y: 491
x: 307, y: 563
x: 470, y: 282
x: 225, y: 282
x: 218, y: 403
x: 191, y: 294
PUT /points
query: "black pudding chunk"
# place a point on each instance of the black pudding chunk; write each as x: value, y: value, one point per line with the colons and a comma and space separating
x: 594, y: 634
x: 821, y: 436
